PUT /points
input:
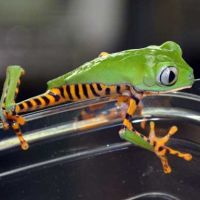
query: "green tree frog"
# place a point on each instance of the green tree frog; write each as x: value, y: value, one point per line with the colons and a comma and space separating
x: 126, y: 76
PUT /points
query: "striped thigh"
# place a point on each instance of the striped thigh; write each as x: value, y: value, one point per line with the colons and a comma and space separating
x: 70, y: 93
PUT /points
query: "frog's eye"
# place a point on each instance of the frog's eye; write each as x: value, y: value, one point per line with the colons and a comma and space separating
x: 167, y: 76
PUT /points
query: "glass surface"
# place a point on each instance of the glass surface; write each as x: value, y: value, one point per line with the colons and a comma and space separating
x: 76, y: 153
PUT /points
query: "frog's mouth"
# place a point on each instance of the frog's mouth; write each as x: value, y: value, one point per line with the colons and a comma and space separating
x: 147, y: 93
x: 174, y: 89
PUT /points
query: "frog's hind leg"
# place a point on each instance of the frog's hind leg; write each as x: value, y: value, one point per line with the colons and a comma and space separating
x: 8, y: 113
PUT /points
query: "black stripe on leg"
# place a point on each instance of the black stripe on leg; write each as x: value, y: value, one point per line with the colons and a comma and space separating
x: 21, y: 106
x: 93, y: 91
x: 118, y: 89
x: 30, y: 105
x: 69, y: 92
x: 62, y: 92
x: 37, y: 101
x: 17, y: 130
x: 47, y: 101
x: 107, y: 91
x: 55, y: 96
x: 135, y: 99
x: 77, y: 91
x: 85, y: 92
x: 128, y: 117
x: 99, y: 86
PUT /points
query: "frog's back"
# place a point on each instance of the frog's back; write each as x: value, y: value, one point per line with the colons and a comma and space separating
x: 108, y: 69
x: 136, y: 67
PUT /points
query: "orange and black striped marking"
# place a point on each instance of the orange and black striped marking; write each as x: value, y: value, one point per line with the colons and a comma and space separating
x: 16, y: 128
x: 70, y: 93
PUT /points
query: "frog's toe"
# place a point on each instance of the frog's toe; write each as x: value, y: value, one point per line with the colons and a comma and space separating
x: 17, y: 129
x: 24, y: 145
x: 185, y: 156
x: 166, y: 168
x: 162, y: 150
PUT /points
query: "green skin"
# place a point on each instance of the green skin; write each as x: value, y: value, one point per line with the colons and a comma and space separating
x: 13, y: 75
x: 138, y: 67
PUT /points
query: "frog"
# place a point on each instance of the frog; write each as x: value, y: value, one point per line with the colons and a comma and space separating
x: 126, y: 76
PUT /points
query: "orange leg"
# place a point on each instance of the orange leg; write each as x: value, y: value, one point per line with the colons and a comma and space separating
x: 16, y: 128
x: 152, y: 143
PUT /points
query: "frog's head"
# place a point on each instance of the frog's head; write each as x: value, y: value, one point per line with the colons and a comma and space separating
x: 165, y: 70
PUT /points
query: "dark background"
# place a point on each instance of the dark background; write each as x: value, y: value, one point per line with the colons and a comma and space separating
x: 50, y: 37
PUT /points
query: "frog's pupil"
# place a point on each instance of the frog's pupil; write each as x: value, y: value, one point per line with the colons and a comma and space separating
x: 171, y: 76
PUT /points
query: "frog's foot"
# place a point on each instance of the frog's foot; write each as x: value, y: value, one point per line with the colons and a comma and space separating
x: 15, y: 121
x: 161, y: 150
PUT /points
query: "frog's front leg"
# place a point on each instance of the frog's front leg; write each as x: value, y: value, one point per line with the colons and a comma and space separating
x: 161, y: 149
x: 8, y: 114
x: 152, y: 142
